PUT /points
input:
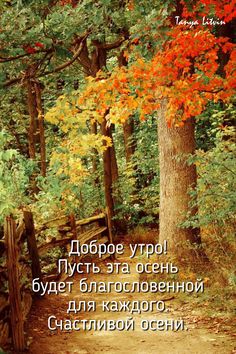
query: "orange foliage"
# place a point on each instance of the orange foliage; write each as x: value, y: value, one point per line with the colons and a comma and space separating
x: 224, y: 10
x: 185, y: 71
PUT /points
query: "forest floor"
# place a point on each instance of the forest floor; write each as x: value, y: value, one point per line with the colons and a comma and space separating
x: 203, y: 334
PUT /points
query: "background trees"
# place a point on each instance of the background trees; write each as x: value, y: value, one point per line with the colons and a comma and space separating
x: 113, y: 104
x: 104, y: 74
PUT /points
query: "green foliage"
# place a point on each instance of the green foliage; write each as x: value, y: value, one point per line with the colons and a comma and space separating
x: 210, y: 123
x: 56, y: 196
x: 207, y: 126
x: 216, y: 189
x: 61, y: 194
x: 138, y: 182
x: 136, y: 192
x: 217, y: 184
x: 49, y: 260
x: 14, y: 178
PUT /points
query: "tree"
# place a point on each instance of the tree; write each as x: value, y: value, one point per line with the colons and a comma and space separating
x: 176, y: 144
x: 34, y: 61
x: 170, y: 69
x: 27, y: 56
x: 182, y: 76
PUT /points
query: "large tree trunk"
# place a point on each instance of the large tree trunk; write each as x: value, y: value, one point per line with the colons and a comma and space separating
x: 176, y: 178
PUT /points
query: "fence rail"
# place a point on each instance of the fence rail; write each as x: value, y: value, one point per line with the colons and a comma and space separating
x: 16, y: 302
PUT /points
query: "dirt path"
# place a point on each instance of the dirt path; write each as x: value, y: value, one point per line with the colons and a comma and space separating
x: 197, y: 339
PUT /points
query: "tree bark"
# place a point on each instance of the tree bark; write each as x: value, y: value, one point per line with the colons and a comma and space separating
x: 32, y: 246
x: 42, y: 143
x: 114, y: 165
x: 32, y: 130
x: 128, y: 126
x: 31, y: 102
x: 95, y: 160
x: 176, y: 178
x: 16, y: 311
x: 92, y: 62
x: 107, y: 168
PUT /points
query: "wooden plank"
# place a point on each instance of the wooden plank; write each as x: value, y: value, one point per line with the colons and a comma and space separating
x: 51, y: 277
x: 92, y: 219
x: 88, y: 235
x: 32, y: 245
x: 56, y: 222
x: 73, y: 226
x: 20, y: 230
x: 102, y: 240
x: 109, y: 224
x: 64, y: 220
x: 54, y: 243
x: 84, y: 237
x: 16, y: 312
x: 64, y: 229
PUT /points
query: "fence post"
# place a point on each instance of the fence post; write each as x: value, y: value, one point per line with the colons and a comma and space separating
x: 73, y: 226
x: 32, y: 245
x: 16, y: 313
x: 109, y: 224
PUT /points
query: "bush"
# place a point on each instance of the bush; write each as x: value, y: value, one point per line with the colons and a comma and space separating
x: 215, y: 198
x: 14, y: 178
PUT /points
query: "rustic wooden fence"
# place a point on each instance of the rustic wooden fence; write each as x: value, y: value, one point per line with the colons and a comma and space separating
x: 15, y: 301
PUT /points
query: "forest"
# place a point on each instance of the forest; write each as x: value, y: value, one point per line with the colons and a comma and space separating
x: 117, y: 124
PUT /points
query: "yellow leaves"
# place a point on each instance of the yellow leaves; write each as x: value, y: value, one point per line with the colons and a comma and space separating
x: 119, y: 113
x: 51, y: 116
x: 68, y: 157
x: 70, y: 166
x: 107, y: 142
x: 71, y: 114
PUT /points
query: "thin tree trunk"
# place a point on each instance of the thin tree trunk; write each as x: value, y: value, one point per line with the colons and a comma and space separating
x: 108, y: 172
x: 117, y: 198
x: 114, y: 165
x: 31, y: 102
x: 93, y: 130
x: 176, y: 178
x: 92, y: 63
x: 128, y: 126
x: 41, y: 129
x: 33, y: 115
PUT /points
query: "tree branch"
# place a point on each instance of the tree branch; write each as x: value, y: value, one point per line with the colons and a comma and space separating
x: 108, y: 46
x: 57, y: 69
x: 5, y: 60
x: 68, y: 63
